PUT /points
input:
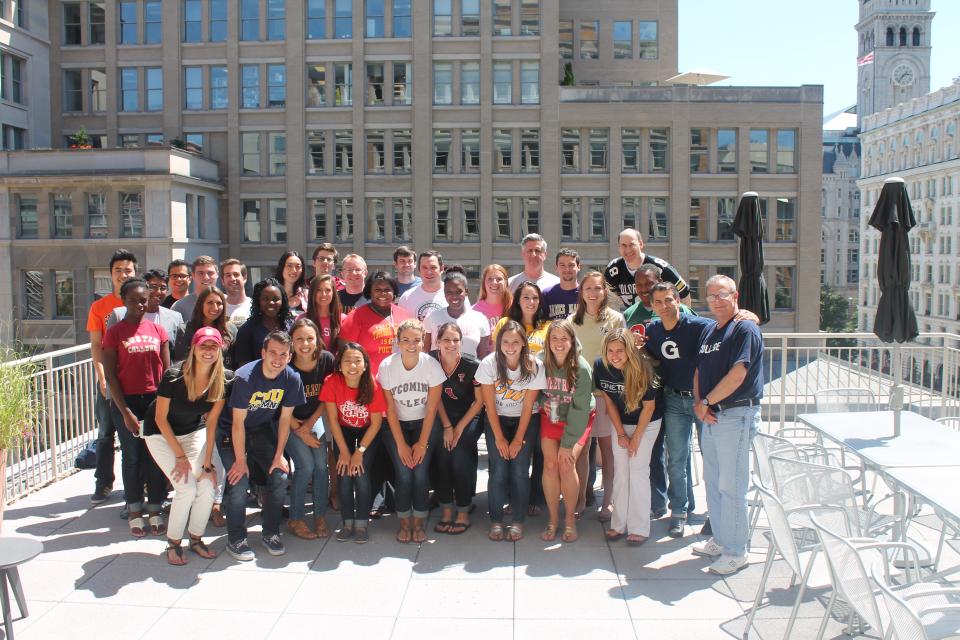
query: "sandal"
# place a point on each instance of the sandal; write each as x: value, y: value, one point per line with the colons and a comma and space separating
x: 157, y: 525
x: 177, y: 558
x: 137, y: 524
x: 443, y: 526
x: 514, y: 532
x: 549, y: 533
x: 321, y: 526
x: 613, y: 535
x: 570, y: 533
x: 496, y: 532
x: 457, y: 528
x: 201, y: 549
x: 419, y: 535
x: 404, y: 533
x: 217, y: 517
x: 635, y: 540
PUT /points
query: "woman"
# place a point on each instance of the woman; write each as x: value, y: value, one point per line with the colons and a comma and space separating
x: 307, y: 445
x: 136, y: 352
x: 495, y: 295
x: 411, y: 381
x: 566, y: 413
x: 291, y: 275
x: 353, y: 405
x: 593, y: 320
x: 628, y: 386
x: 510, y: 379
x: 210, y: 311
x: 179, y: 431
x: 474, y: 326
x: 269, y: 312
x: 529, y: 311
x: 374, y: 325
x: 323, y: 308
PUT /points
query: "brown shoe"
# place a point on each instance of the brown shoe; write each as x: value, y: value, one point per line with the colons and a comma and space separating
x: 300, y: 529
x: 321, y: 527
x: 217, y: 517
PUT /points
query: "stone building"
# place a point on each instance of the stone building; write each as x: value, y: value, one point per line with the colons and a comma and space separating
x: 24, y: 75
x: 840, y: 210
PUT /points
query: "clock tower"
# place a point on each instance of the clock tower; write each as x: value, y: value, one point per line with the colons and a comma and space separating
x: 893, y: 53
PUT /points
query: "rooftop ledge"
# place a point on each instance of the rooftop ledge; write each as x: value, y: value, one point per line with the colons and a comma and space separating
x: 104, y: 162
x: 812, y: 93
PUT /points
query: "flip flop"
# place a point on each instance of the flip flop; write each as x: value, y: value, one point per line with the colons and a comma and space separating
x: 443, y: 526
x: 137, y: 527
x: 457, y: 528
x: 570, y: 533
x: 157, y: 526
x: 496, y: 532
x: 613, y: 535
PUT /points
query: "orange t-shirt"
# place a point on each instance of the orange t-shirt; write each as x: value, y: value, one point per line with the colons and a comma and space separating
x: 100, y: 311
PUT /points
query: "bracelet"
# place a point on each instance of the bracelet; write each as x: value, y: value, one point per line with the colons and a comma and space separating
x: 449, y: 426
x: 209, y: 469
x: 621, y: 435
x: 420, y: 444
x: 181, y: 457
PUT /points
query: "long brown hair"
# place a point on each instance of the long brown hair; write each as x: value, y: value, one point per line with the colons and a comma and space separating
x: 198, y: 319
x: 571, y: 363
x: 335, y: 309
x: 309, y: 324
x: 528, y: 367
x: 638, y: 374
x: 507, y: 298
x: 215, y: 386
x: 604, y: 312
x: 365, y: 388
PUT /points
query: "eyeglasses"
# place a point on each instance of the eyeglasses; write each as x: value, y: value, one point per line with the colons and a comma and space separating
x: 180, y: 276
x: 723, y: 295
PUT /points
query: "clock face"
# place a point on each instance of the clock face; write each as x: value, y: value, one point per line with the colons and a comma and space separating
x: 903, y: 75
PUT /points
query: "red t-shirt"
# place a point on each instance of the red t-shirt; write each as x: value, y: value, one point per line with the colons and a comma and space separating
x: 349, y: 413
x: 100, y: 311
x: 373, y: 332
x: 138, y: 348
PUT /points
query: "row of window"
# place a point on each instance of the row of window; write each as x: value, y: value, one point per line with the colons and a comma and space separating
x: 12, y: 138
x: 12, y: 78
x: 625, y: 46
x: 91, y: 220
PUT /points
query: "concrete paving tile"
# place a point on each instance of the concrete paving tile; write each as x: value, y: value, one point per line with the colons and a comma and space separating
x: 97, y: 620
x: 484, y: 559
x: 266, y: 591
x: 460, y: 628
x: 551, y: 598
x: 658, y: 562
x: 676, y: 599
x: 198, y: 623
x: 298, y: 625
x: 458, y: 599
x: 335, y: 595
x: 299, y: 557
x: 580, y: 629
x: 565, y: 560
x: 54, y: 581
x: 381, y: 556
x: 36, y: 610
x: 675, y: 630
x: 132, y: 583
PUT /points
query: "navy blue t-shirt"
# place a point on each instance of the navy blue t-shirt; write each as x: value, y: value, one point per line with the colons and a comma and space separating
x: 610, y: 381
x: 559, y: 302
x: 677, y: 349
x: 721, y: 349
x: 262, y: 398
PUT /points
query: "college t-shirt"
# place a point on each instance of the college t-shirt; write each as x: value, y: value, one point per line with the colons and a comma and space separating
x: 677, y: 349
x: 312, y: 382
x: 373, y: 332
x: 561, y: 302
x: 459, y: 387
x: 536, y: 336
x: 349, y: 412
x: 420, y: 303
x: 610, y: 381
x: 183, y: 415
x: 570, y: 406
x: 473, y: 325
x: 621, y: 278
x: 238, y: 313
x: 410, y: 387
x: 326, y: 333
x: 493, y: 312
x: 592, y: 332
x: 262, y: 397
x: 723, y: 347
x: 138, y: 347
x: 509, y: 393
x: 350, y: 301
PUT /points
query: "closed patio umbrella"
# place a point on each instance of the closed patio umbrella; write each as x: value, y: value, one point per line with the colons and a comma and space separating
x: 753, y: 287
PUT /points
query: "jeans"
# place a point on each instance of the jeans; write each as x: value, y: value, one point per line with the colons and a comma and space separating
x: 678, y: 419
x: 658, y: 475
x: 455, y: 471
x: 356, y: 492
x: 308, y: 463
x: 136, y: 464
x: 411, y: 489
x: 261, y: 446
x: 726, y: 473
x: 105, y: 439
x: 631, y: 490
x: 193, y: 495
x: 510, y: 479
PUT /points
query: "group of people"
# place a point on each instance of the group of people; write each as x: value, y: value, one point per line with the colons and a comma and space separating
x: 353, y: 384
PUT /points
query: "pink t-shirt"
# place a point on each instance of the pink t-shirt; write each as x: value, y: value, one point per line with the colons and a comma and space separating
x: 325, y: 329
x: 493, y: 312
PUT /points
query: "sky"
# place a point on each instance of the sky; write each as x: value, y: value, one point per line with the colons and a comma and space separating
x: 794, y: 42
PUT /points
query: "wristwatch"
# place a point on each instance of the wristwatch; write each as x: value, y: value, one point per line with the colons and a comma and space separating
x: 704, y: 401
x: 361, y: 449
x: 209, y: 469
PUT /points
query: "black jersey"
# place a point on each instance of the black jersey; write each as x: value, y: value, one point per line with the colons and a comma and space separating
x: 621, y: 279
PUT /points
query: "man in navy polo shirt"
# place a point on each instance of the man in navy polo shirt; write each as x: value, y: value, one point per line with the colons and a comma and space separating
x: 727, y: 388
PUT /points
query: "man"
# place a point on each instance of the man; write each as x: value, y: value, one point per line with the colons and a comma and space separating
x: 727, y: 388
x: 204, y: 275
x: 123, y: 266
x: 171, y: 321
x: 233, y: 273
x: 428, y: 296
x: 178, y: 274
x: 561, y: 298
x: 264, y: 391
x: 642, y: 311
x: 325, y: 262
x: 619, y: 274
x: 354, y: 277
x: 674, y: 340
x: 534, y: 253
x: 404, y: 259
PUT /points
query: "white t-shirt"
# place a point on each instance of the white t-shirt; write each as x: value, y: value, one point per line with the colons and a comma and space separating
x: 420, y: 303
x: 410, y: 388
x: 238, y: 313
x: 509, y: 395
x: 473, y: 324
x: 545, y: 281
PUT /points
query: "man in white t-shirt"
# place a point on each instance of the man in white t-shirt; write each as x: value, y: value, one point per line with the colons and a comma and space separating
x: 233, y: 274
x: 428, y: 296
x: 534, y: 252
x: 204, y: 276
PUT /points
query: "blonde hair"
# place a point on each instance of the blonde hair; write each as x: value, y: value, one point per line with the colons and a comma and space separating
x: 571, y: 363
x: 507, y: 295
x: 638, y: 374
x: 215, y: 387
x: 411, y: 324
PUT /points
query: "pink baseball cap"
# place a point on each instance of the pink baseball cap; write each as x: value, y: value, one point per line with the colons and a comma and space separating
x: 207, y: 334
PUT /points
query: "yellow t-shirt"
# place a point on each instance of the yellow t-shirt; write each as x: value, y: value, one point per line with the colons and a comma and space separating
x: 536, y: 337
x: 591, y: 333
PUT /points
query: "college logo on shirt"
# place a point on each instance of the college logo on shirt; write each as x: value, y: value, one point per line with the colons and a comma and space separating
x: 384, y: 332
x: 354, y: 414
x: 426, y: 309
x: 508, y: 393
x: 265, y: 399
x: 669, y: 350
x: 141, y: 344
x: 709, y: 348
x: 610, y: 387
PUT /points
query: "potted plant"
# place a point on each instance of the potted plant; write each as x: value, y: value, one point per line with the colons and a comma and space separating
x: 21, y: 409
x: 568, y: 79
x: 81, y: 139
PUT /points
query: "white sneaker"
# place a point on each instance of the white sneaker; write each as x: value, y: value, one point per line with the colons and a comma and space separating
x: 709, y: 549
x: 725, y: 565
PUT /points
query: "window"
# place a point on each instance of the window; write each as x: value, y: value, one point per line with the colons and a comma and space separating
x: 443, y: 17
x: 375, y: 83
x: 61, y: 216
x: 502, y: 17
x: 315, y: 152
x: 402, y: 83
x: 131, y: 215
x: 470, y: 18
x: 154, y: 81
x: 630, y: 143
x: 727, y: 150
x: 699, y: 151
x: 529, y: 17
x: 318, y: 218
x: 566, y: 39
x: 192, y: 21
x: 250, y: 86
x: 469, y: 150
x: 530, y: 222
x: 97, y: 18
x: 277, y: 152
x: 249, y: 19
x: 599, y: 144
x: 786, y: 217
x: 589, y: 39
x: 623, y: 39
x: 725, y: 214
x: 97, y: 215
x: 276, y: 86
x: 502, y: 82
x: 218, y: 21
x: 758, y: 151
x: 278, y: 220
x: 63, y: 294
x: 470, y: 220
x: 33, y: 295
x: 343, y: 219
x: 343, y: 152
x: 343, y: 84
x: 195, y: 142
x: 570, y: 219
x: 13, y: 137
x: 442, y: 83
x: 402, y: 155
x: 530, y: 150
x: 402, y: 219
x: 502, y: 223
x: 783, y: 298
x: 251, y: 220
x: 598, y: 219
x: 530, y: 82
x: 127, y: 15
x: 152, y: 23
x: 219, y: 96
x: 316, y: 19
x: 441, y: 151
x: 503, y: 150
x: 698, y: 219
x: 786, y: 151
x: 193, y: 87
x: 250, y: 154
x: 71, y: 23
x: 630, y: 210
x: 659, y: 150
x: 649, y: 48
x: 376, y: 161
x: 276, y: 19
x: 16, y: 78
x: 401, y: 19
x: 128, y: 90
x: 469, y: 83
x: 442, y: 227
x: 570, y: 150
x: 343, y: 20
x: 72, y: 90
x: 375, y: 18
x: 657, y: 209
x: 316, y: 85
x: 28, y: 226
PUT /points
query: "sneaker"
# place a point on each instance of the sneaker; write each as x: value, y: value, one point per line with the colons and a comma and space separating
x: 102, y: 494
x: 344, y: 534
x: 273, y: 545
x: 725, y: 565
x: 240, y: 550
x: 709, y: 549
x: 361, y: 536
x: 677, y: 526
x: 706, y: 529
